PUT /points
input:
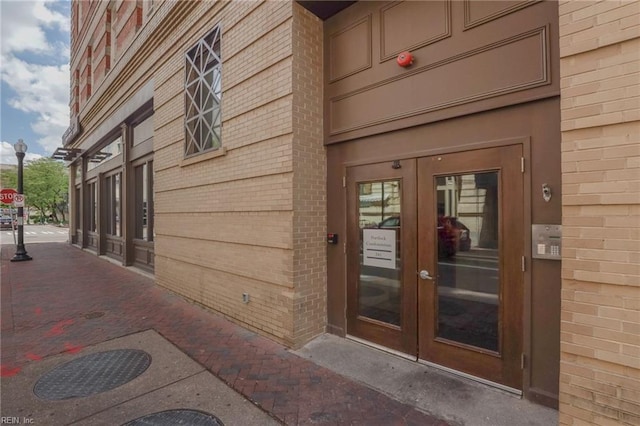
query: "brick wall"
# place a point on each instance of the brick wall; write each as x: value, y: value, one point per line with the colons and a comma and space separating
x: 251, y: 220
x: 86, y: 79
x: 600, y: 323
x: 92, y: 25
x: 102, y: 47
x: 309, y: 178
x: 82, y: 11
x: 127, y: 21
x: 74, y: 98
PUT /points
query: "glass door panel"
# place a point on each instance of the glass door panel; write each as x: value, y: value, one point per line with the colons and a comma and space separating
x: 379, y: 208
x: 468, y: 282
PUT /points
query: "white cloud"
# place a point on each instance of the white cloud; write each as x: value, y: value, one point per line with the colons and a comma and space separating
x: 41, y: 90
x: 8, y: 154
x: 23, y: 24
x: 50, y: 16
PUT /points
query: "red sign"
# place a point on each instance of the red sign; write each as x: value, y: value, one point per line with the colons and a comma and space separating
x: 6, y: 195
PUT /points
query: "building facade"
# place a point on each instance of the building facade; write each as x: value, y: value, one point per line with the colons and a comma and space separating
x: 427, y: 178
x: 600, y: 322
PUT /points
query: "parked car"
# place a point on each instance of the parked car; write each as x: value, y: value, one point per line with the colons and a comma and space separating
x: 390, y: 222
x: 453, y: 235
x: 6, y: 222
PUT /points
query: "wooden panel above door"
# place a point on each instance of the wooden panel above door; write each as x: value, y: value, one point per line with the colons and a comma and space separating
x: 468, y: 58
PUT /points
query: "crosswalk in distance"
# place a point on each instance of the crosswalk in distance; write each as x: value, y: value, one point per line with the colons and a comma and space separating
x: 40, y: 232
x: 36, y: 234
x: 46, y: 232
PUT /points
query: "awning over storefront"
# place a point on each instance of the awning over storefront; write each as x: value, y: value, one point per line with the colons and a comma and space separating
x: 66, y: 154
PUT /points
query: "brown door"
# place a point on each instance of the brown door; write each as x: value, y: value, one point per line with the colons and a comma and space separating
x: 381, y: 254
x: 470, y: 247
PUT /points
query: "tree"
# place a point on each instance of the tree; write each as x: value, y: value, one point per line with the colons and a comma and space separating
x: 9, y: 178
x: 46, y: 187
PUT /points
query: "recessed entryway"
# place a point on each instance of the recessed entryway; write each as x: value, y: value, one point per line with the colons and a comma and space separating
x: 434, y: 259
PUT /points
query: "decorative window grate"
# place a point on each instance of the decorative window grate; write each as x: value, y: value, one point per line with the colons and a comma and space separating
x: 203, y: 95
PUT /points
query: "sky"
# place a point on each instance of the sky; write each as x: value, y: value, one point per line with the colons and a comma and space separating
x: 34, y: 71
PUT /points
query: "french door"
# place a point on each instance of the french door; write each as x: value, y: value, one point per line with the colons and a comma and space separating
x: 434, y: 260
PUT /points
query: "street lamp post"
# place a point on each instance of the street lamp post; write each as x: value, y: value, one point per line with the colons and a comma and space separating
x: 21, y: 252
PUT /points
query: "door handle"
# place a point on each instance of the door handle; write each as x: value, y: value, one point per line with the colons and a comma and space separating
x: 424, y: 274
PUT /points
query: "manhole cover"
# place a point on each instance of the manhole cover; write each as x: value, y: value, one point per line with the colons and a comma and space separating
x: 92, y: 374
x: 177, y: 417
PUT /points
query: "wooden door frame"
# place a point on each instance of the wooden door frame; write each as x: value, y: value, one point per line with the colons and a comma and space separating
x: 504, y: 367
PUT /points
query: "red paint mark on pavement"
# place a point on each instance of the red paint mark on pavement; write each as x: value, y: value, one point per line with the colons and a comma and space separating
x: 72, y: 349
x: 58, y: 329
x: 6, y: 371
x: 38, y: 310
x: 33, y: 357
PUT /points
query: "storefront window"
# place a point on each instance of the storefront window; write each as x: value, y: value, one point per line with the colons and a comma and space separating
x: 113, y: 213
x: 77, y: 208
x: 144, y: 201
x: 92, y: 200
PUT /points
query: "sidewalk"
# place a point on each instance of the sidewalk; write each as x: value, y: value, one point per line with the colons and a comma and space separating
x: 66, y: 304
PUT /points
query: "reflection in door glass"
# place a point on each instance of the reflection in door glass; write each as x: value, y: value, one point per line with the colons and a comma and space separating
x: 468, y: 254
x: 380, y: 265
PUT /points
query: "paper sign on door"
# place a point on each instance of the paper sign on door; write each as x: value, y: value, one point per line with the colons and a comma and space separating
x: 379, y: 248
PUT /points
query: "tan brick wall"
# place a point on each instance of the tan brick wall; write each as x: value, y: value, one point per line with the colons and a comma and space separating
x: 224, y: 225
x: 251, y: 220
x: 600, y: 328
x: 309, y: 178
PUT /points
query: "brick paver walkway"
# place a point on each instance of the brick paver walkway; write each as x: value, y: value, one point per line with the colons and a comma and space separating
x: 66, y: 299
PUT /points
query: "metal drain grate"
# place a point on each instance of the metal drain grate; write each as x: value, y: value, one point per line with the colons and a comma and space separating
x: 177, y: 417
x: 92, y: 374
